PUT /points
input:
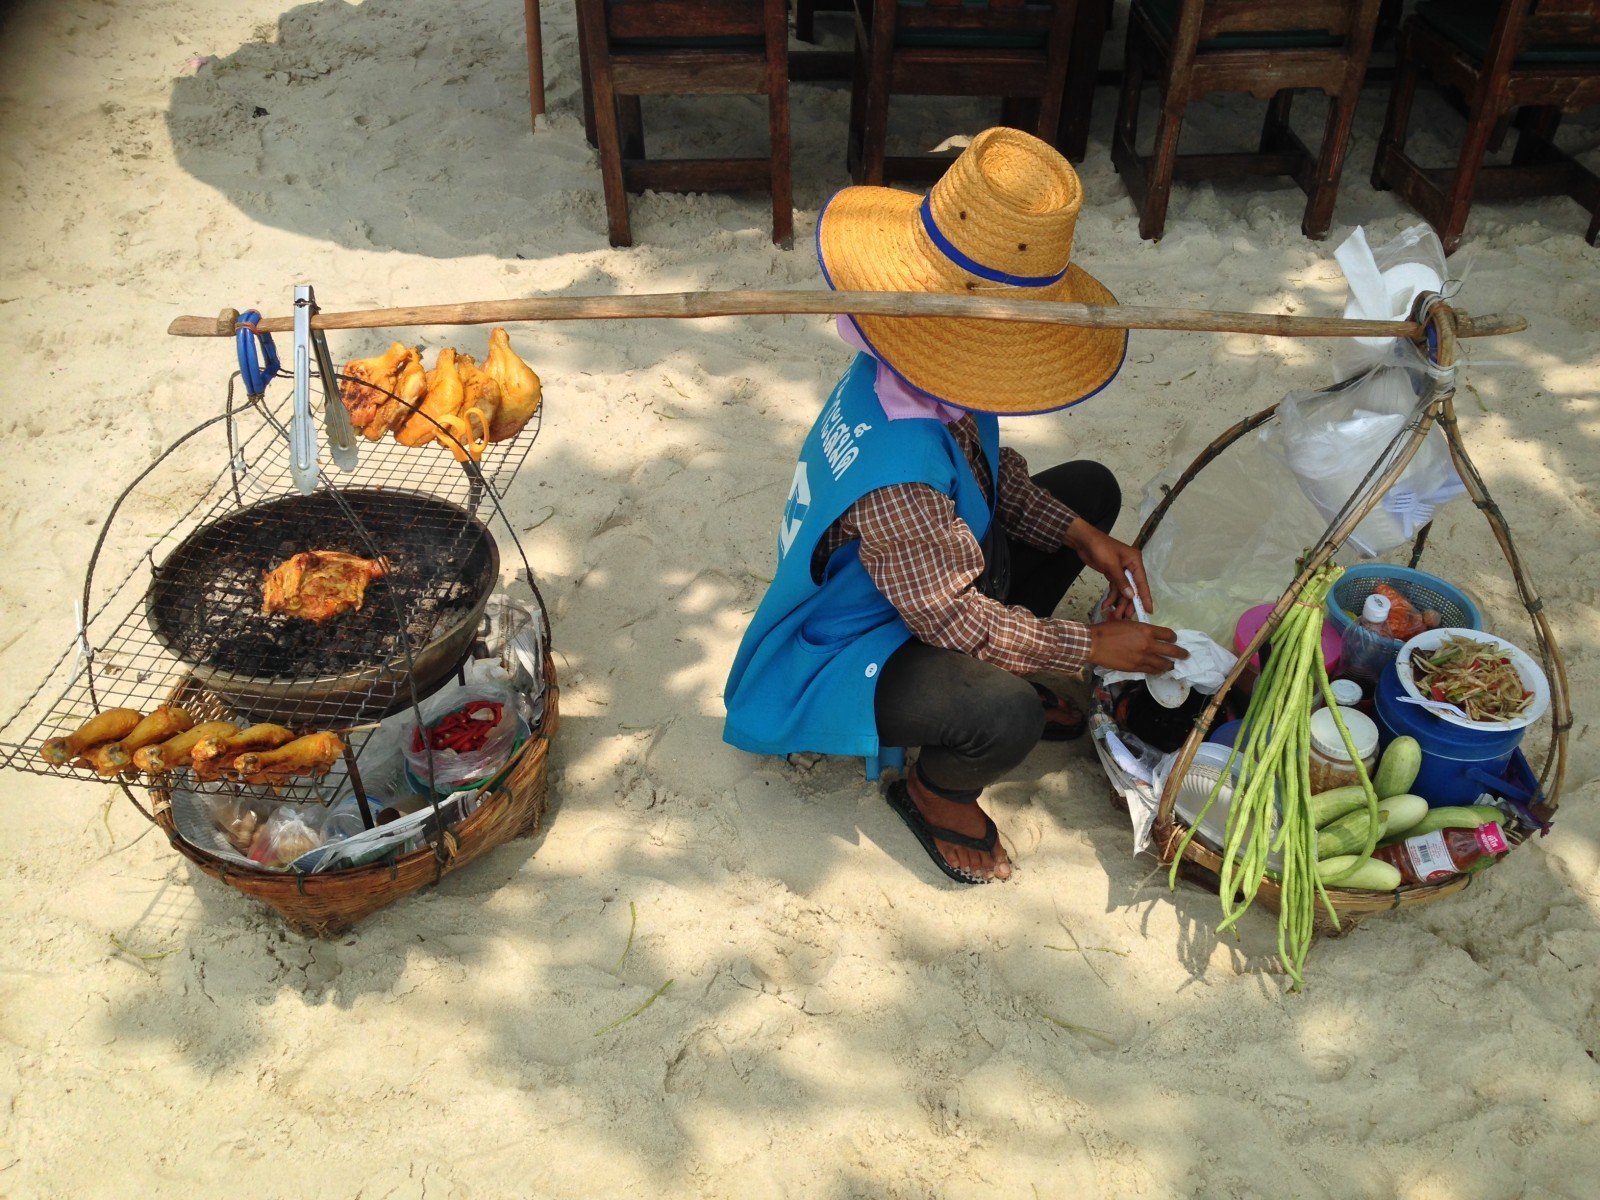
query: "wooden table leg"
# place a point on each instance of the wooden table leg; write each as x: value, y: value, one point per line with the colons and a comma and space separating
x: 530, y: 15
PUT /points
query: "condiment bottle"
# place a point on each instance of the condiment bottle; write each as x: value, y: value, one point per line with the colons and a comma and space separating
x: 1432, y: 857
x: 1366, y: 649
x: 1331, y: 764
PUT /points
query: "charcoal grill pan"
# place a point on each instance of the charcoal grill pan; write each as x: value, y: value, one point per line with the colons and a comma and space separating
x: 203, y: 605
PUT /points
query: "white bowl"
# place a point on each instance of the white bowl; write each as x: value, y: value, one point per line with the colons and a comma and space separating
x: 1533, y: 678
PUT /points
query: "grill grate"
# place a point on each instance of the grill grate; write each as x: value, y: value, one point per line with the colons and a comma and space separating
x: 187, y: 616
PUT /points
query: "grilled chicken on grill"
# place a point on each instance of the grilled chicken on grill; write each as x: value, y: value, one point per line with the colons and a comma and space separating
x: 309, y: 755
x: 372, y: 386
x: 320, y: 584
x: 214, y: 756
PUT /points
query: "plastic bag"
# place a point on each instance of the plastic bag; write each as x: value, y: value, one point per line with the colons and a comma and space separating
x: 1230, y: 541
x: 515, y: 638
x: 1384, y: 284
x: 287, y: 835
x: 1330, y: 440
x: 455, y: 714
x: 239, y: 818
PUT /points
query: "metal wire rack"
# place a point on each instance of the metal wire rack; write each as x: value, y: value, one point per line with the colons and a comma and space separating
x: 185, y: 622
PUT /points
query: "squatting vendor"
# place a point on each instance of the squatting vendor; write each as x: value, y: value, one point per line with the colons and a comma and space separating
x: 919, y: 564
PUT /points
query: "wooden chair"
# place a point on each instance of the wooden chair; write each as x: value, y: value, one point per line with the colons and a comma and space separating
x: 1015, y: 49
x: 634, y: 48
x: 1537, y: 58
x: 1268, y: 48
x: 1088, y: 38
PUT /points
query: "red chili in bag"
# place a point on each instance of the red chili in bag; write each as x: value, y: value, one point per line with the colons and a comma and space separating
x: 465, y: 731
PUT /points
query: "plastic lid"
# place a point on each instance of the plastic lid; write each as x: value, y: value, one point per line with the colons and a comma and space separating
x: 1325, y: 739
x: 1347, y: 692
x: 1376, y: 609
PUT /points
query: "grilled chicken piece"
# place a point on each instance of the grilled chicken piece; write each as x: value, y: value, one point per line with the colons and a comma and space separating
x: 320, y: 584
x: 116, y: 757
x: 110, y: 726
x: 442, y: 397
x: 309, y: 755
x: 174, y: 752
x: 369, y: 392
x: 213, y: 756
x: 519, y: 388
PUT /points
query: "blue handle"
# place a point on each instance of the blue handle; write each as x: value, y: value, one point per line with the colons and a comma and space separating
x: 1520, y: 798
x: 258, y: 370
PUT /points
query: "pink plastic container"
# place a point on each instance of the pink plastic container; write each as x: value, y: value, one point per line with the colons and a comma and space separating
x: 1254, y: 618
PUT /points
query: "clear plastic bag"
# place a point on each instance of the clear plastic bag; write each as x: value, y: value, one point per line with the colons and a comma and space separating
x: 240, y: 818
x: 1230, y: 540
x: 1331, y: 438
x: 1384, y: 284
x: 515, y: 638
x: 452, y: 769
x: 288, y: 834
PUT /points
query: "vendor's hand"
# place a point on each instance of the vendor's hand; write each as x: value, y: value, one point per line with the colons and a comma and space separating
x: 1111, y: 558
x: 1134, y: 646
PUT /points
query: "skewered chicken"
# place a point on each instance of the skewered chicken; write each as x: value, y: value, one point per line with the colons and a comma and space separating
x: 115, y: 757
x: 309, y: 755
x: 174, y: 752
x: 372, y: 387
x: 519, y: 388
x: 443, y: 395
x: 213, y: 756
x: 320, y: 584
x: 110, y: 726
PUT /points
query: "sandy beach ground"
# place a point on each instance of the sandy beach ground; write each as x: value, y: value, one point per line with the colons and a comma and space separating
x: 840, y: 1022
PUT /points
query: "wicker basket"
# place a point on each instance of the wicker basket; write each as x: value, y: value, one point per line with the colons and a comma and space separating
x: 1200, y: 863
x: 327, y: 904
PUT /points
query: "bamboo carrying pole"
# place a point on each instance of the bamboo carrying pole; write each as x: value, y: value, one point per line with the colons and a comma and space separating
x: 694, y: 305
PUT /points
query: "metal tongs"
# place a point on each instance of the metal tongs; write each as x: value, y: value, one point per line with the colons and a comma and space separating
x: 302, y: 426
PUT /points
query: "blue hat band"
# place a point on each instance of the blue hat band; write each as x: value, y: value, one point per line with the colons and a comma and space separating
x: 972, y: 266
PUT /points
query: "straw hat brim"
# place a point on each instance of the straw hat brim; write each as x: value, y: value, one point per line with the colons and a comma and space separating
x: 869, y: 239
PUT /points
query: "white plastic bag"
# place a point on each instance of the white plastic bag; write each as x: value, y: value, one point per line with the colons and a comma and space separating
x: 1384, y: 284
x: 1330, y: 440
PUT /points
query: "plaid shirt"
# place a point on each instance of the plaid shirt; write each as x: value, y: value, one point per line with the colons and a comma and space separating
x: 925, y: 560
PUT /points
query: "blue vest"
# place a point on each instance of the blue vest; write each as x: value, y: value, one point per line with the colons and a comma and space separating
x: 807, y: 670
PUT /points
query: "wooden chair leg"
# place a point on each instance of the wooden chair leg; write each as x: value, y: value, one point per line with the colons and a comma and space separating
x: 1277, y: 122
x: 1163, y: 161
x: 630, y: 126
x: 1397, y: 120
x: 530, y: 20
x: 780, y: 181
x: 1458, y: 195
x: 1536, y: 131
x: 1088, y: 35
x: 586, y: 87
x: 1125, y: 129
x: 805, y: 26
x: 856, y: 127
x: 875, y: 113
x: 608, y: 135
x: 1330, y: 163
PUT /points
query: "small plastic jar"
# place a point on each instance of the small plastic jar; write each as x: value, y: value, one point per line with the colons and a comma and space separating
x: 1347, y: 693
x: 1331, y: 764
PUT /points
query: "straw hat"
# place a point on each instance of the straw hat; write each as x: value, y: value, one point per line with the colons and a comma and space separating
x: 999, y: 223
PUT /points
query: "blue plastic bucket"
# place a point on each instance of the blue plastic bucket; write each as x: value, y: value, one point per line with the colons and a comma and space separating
x: 1458, y: 765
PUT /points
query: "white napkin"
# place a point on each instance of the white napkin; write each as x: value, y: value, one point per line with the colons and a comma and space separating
x: 1203, y: 671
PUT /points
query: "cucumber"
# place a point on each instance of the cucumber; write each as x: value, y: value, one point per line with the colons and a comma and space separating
x: 1374, y: 875
x: 1468, y: 817
x: 1404, y: 813
x: 1347, y: 835
x: 1398, y: 769
x: 1331, y: 805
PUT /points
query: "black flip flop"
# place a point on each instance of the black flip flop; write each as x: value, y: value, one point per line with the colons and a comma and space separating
x: 899, y: 799
x: 1057, y: 729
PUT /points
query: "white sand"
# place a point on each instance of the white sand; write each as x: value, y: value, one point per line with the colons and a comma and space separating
x: 840, y: 1022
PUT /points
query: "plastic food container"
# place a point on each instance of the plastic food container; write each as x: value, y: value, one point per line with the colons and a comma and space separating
x: 1460, y: 760
x: 1253, y: 619
x: 1331, y: 764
